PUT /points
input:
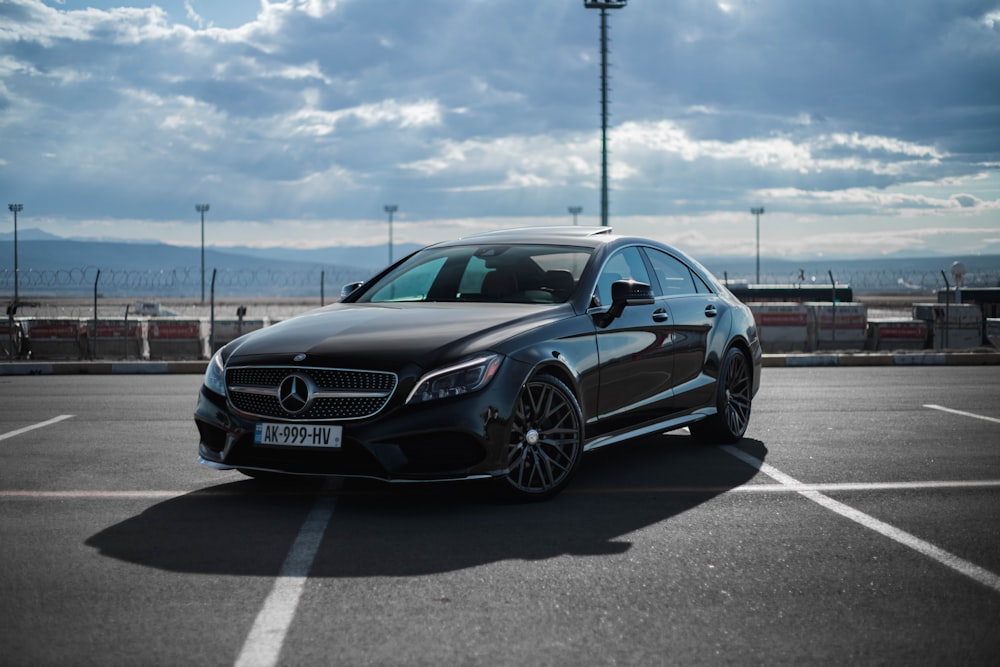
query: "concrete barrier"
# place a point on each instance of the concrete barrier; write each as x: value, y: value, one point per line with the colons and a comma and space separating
x: 176, y: 339
x: 13, y: 342
x: 54, y: 338
x: 897, y: 335
x: 227, y: 331
x: 840, y: 326
x: 993, y: 332
x: 956, y: 326
x: 109, y: 339
x: 783, y: 327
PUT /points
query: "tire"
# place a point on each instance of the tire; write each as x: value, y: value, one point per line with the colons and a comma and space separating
x: 734, y: 395
x: 546, y: 440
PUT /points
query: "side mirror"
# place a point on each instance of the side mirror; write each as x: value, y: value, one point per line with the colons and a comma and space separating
x: 627, y: 293
x: 350, y: 288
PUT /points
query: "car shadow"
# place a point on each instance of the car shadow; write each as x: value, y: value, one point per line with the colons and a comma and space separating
x: 247, y: 527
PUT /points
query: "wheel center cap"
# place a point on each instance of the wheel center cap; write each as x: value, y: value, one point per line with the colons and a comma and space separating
x: 531, y: 437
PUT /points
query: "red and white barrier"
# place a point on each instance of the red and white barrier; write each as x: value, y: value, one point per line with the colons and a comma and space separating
x: 54, y: 338
x: 840, y: 326
x: 176, y: 339
x: 111, y: 338
x: 898, y: 335
x: 957, y: 326
x: 226, y: 331
x: 783, y: 327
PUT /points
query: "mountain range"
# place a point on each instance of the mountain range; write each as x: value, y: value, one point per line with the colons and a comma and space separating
x: 48, y: 261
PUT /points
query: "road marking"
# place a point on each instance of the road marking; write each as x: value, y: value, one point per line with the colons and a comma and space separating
x: 83, y: 494
x: 54, y: 420
x: 262, y: 647
x: 946, y: 558
x: 963, y: 413
x: 787, y: 488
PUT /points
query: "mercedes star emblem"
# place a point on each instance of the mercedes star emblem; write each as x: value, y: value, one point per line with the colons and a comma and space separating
x: 295, y: 393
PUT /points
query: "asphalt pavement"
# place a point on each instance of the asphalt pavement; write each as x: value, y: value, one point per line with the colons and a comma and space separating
x: 855, y: 524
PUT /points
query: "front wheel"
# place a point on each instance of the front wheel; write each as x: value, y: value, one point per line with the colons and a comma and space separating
x: 733, y: 398
x: 546, y: 440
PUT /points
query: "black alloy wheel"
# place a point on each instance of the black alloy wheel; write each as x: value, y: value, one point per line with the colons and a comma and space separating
x: 546, y: 440
x: 733, y: 400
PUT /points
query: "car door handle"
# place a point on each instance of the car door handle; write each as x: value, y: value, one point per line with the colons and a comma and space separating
x: 660, y: 315
x: 710, y: 310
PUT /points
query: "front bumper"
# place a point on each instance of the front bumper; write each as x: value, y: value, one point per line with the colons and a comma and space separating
x: 454, y: 438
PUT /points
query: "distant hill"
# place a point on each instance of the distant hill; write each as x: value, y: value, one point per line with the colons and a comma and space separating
x: 57, y: 267
x: 51, y: 265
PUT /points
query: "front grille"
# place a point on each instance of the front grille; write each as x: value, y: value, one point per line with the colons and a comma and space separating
x: 338, y: 394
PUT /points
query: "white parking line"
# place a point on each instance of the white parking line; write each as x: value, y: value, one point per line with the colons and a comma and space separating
x: 963, y: 413
x: 782, y: 488
x: 262, y: 647
x: 82, y: 494
x: 54, y: 420
x: 970, y: 570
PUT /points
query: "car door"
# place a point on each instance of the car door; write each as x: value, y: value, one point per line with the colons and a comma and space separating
x: 694, y: 312
x: 634, y: 350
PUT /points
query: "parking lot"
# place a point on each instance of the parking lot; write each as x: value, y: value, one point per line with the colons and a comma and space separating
x: 856, y: 523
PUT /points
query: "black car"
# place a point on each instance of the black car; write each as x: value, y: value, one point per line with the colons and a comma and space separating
x: 500, y: 356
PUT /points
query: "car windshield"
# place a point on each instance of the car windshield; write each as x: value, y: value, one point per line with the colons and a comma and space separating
x: 506, y: 273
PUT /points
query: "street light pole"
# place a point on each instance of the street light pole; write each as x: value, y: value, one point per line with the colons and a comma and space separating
x: 390, y: 209
x: 758, y: 211
x: 15, y: 209
x: 604, y: 6
x: 201, y: 208
x: 575, y: 211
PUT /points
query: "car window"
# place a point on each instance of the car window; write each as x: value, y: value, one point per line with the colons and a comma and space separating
x: 488, y: 273
x: 676, y: 277
x: 414, y: 285
x: 624, y: 264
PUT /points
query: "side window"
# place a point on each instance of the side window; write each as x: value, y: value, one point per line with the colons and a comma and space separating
x: 675, y: 277
x: 700, y: 283
x: 622, y: 265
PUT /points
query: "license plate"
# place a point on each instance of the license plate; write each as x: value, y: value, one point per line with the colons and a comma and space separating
x: 297, y: 435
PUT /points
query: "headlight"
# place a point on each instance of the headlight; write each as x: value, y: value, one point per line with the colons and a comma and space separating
x: 215, y: 375
x: 462, y: 378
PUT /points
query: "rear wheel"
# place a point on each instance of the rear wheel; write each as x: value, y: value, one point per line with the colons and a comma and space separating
x: 546, y: 440
x: 733, y: 400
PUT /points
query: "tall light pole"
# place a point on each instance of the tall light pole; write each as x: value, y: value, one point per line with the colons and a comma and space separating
x: 201, y: 208
x: 758, y: 211
x: 390, y: 209
x: 604, y: 6
x: 15, y: 209
x: 575, y: 211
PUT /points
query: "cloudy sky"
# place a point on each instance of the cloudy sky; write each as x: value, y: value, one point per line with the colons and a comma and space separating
x: 863, y: 128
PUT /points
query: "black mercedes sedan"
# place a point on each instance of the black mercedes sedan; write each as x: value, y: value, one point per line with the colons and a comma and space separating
x: 501, y: 356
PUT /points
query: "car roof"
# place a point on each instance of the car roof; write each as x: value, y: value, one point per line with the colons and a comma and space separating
x: 557, y: 235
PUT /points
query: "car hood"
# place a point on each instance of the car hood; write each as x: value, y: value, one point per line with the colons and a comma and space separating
x: 390, y: 336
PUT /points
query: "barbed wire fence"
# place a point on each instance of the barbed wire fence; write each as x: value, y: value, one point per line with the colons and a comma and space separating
x: 263, y: 282
x: 177, y: 283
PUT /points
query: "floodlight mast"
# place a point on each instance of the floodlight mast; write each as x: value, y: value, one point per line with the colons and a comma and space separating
x: 758, y: 211
x: 604, y: 6
x: 15, y: 209
x: 201, y: 208
x: 390, y: 209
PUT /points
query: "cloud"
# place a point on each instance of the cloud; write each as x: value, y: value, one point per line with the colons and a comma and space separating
x: 324, y: 110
